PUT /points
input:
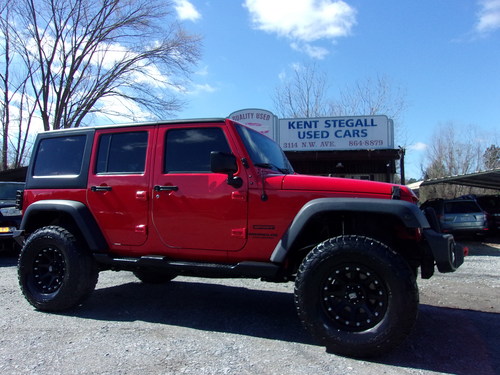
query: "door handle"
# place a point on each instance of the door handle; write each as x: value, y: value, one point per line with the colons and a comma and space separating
x: 101, y: 188
x: 166, y: 188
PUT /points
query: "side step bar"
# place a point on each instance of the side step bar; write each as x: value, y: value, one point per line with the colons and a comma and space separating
x: 216, y: 270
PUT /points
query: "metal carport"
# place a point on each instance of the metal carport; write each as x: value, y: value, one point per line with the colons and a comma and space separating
x: 487, y: 179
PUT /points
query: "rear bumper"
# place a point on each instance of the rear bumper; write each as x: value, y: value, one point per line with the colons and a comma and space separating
x: 447, y: 254
x: 465, y: 228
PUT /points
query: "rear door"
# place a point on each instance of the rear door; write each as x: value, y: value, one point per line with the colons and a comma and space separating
x: 192, y: 207
x: 118, y: 185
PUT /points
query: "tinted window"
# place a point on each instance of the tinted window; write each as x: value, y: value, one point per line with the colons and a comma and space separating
x: 188, y: 150
x: 464, y: 207
x: 61, y: 156
x: 122, y: 152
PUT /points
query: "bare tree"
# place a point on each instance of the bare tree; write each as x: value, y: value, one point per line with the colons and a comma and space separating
x: 303, y: 94
x: 492, y: 157
x: 453, y: 151
x: 5, y: 80
x: 12, y: 89
x: 82, y: 55
x: 373, y: 96
x: 370, y: 97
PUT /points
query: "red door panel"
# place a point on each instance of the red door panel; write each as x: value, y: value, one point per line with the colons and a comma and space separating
x: 118, y: 186
x: 196, y: 210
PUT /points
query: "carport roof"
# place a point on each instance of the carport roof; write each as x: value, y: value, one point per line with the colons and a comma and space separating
x: 487, y: 179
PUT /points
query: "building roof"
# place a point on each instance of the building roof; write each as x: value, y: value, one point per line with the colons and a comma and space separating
x: 487, y: 179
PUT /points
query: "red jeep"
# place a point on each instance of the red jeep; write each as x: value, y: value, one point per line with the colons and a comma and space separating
x: 214, y: 198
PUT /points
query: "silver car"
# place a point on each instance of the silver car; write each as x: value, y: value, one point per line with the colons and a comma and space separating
x: 459, y: 216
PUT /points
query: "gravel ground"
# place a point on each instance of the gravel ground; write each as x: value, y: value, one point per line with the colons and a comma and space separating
x: 204, y: 326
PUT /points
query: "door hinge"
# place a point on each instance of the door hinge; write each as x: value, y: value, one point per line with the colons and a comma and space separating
x: 239, y: 232
x: 141, y: 195
x: 141, y: 228
x: 238, y: 196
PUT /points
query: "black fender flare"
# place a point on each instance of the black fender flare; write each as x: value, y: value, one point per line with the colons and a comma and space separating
x: 80, y: 214
x: 409, y: 214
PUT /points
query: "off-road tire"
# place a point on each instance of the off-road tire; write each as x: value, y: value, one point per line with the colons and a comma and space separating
x: 356, y: 296
x: 55, y: 270
x: 154, y: 276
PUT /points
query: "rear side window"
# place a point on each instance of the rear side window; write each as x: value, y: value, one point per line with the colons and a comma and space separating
x: 188, y: 150
x: 60, y: 156
x: 122, y: 153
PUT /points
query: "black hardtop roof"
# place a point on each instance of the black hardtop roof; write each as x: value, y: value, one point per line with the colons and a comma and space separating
x: 138, y: 124
x: 11, y: 183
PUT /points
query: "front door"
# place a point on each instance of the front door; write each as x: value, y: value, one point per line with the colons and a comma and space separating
x: 194, y: 208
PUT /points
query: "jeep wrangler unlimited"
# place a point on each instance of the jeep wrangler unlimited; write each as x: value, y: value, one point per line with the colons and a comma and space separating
x: 213, y: 198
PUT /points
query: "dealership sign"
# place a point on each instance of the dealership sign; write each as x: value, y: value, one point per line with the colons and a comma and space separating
x: 258, y: 119
x: 336, y: 133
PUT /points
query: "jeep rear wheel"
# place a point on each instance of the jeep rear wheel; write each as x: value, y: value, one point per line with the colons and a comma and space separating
x: 55, y: 271
x: 356, y: 296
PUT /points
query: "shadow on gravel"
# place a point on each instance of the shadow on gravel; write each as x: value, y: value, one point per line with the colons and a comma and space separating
x: 483, y: 249
x: 208, y: 307
x: 489, y: 246
x: 444, y: 340
x: 453, y: 341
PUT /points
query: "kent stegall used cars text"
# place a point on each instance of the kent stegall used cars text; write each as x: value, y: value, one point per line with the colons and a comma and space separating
x: 371, y: 132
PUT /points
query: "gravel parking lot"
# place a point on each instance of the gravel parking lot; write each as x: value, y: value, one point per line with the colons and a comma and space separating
x: 203, y: 326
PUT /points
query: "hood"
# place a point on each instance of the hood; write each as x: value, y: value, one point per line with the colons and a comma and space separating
x: 338, y: 185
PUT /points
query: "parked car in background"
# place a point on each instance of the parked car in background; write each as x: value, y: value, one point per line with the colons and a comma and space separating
x: 459, y: 216
x: 10, y: 216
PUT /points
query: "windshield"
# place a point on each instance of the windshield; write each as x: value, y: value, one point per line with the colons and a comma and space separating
x: 263, y: 151
x: 8, y: 190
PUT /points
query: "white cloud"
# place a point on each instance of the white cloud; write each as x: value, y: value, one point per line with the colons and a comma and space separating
x: 488, y: 16
x: 116, y: 110
x: 419, y: 146
x: 186, y: 10
x: 203, y: 71
x: 318, y: 53
x: 303, y: 21
x: 282, y: 76
x: 199, y: 88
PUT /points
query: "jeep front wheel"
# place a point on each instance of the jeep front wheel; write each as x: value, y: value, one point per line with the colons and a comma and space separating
x: 55, y: 271
x: 356, y: 296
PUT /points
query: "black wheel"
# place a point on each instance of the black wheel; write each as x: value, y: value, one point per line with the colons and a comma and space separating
x: 55, y: 271
x: 356, y: 296
x: 154, y: 276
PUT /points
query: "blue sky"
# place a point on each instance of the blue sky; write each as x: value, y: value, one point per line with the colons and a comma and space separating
x: 445, y: 55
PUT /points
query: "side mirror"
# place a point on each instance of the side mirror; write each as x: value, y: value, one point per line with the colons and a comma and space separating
x: 223, y: 162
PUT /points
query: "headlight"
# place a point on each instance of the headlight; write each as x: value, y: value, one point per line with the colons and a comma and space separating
x: 10, y: 211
